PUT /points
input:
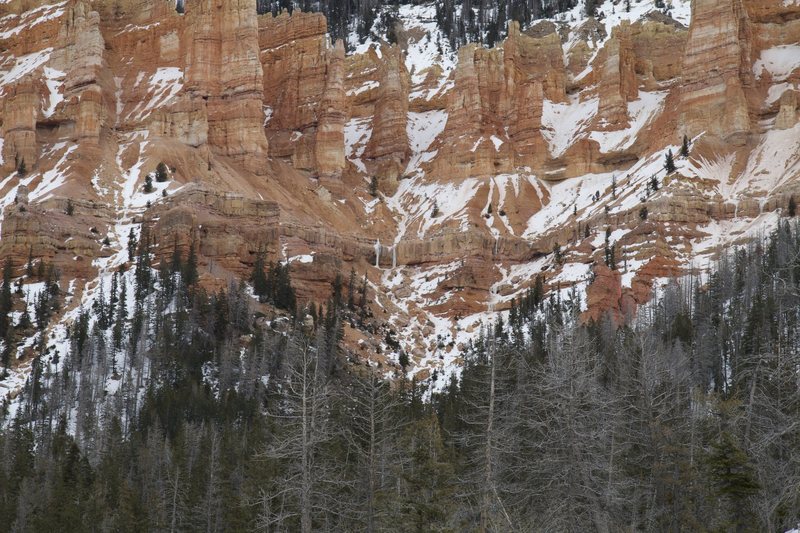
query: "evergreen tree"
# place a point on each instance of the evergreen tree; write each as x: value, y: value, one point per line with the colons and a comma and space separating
x: 190, y: 274
x: 669, y: 163
x: 133, y: 245
x: 259, y: 277
x: 685, y: 147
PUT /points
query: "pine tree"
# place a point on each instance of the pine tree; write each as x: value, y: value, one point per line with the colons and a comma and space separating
x: 70, y: 210
x: 190, y: 274
x: 669, y: 162
x: 259, y: 278
x: 133, y: 244
x: 373, y: 186
x: 29, y: 264
x: 732, y: 475
x: 351, y: 289
x: 148, y: 184
x: 362, y: 300
x: 685, y: 147
x: 5, y: 307
x: 792, y: 207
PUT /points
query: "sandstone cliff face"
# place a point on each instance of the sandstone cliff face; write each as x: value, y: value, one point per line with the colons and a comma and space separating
x: 329, y: 148
x: 486, y: 163
x: 387, y: 151
x: 304, y: 96
x: 495, y: 108
x: 19, y: 125
x: 713, y: 98
x: 618, y: 83
x: 227, y: 230
x: 787, y: 116
x: 223, y: 69
x: 658, y: 48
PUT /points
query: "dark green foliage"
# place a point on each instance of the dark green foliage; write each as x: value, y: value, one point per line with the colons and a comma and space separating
x: 685, y: 147
x: 643, y: 212
x: 373, y: 186
x: 435, y: 210
x: 557, y: 254
x: 6, y: 304
x: 190, y: 274
x: 273, y: 284
x: 148, y: 184
x: 70, y: 210
x: 133, y: 244
x: 792, y: 207
x: 685, y: 420
x: 669, y: 163
x: 460, y: 21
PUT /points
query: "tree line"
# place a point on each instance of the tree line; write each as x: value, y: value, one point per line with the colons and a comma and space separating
x: 461, y: 21
x: 201, y: 413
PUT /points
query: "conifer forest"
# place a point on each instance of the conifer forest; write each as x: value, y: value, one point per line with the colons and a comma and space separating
x: 686, y: 419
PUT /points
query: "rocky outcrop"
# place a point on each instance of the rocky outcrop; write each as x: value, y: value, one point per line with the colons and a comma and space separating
x: 495, y: 107
x: 223, y: 69
x: 329, y: 149
x: 387, y: 151
x: 713, y: 99
x: 45, y: 232
x: 617, y: 83
x: 20, y: 109
x: 787, y: 115
x: 657, y: 47
x: 476, y: 111
x: 259, y: 111
x: 227, y: 230
x: 304, y: 93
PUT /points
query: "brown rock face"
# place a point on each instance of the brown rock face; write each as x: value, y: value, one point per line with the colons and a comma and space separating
x: 387, y: 151
x: 254, y: 112
x: 604, y: 294
x: 329, y: 149
x: 787, y: 116
x: 617, y: 82
x: 304, y: 97
x: 228, y: 230
x: 223, y: 69
x: 657, y: 47
x: 44, y: 231
x: 495, y: 108
x: 21, y: 104
x: 713, y: 99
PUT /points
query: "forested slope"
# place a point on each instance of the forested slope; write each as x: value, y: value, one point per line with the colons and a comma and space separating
x: 686, y: 418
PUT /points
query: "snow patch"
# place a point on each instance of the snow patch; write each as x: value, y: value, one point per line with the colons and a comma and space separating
x: 779, y: 61
x: 563, y: 122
